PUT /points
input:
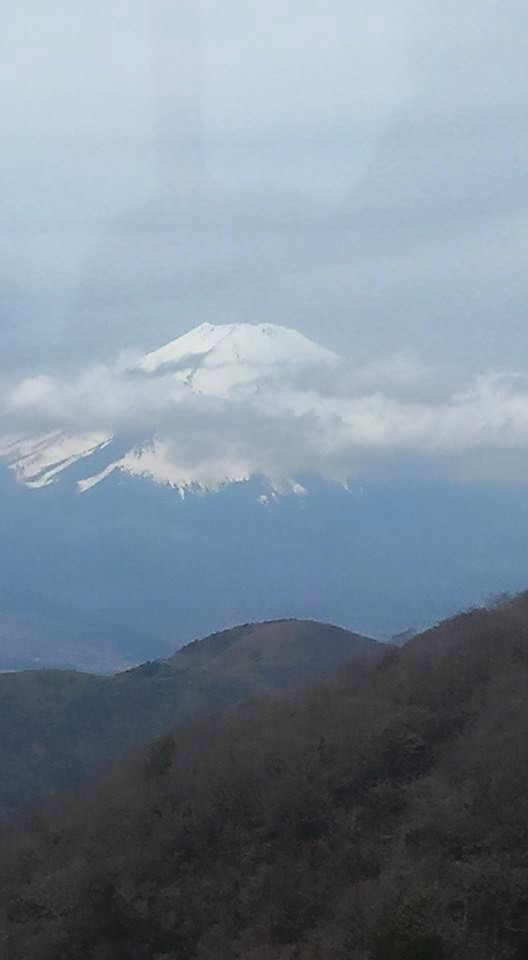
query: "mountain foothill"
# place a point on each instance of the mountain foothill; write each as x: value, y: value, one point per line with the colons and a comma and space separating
x: 293, y: 806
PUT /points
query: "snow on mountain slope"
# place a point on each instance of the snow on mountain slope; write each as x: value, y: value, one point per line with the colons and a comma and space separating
x: 216, y: 359
x: 39, y: 460
x: 216, y: 345
x: 210, y: 364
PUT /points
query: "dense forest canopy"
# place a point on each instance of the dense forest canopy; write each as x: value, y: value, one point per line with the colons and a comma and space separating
x: 59, y: 728
x: 381, y: 815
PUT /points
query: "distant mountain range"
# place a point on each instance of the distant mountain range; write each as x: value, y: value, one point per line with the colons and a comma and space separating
x: 59, y: 727
x: 30, y: 641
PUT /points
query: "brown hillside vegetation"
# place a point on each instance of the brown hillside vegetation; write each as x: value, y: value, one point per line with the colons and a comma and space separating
x: 59, y: 728
x: 380, y: 816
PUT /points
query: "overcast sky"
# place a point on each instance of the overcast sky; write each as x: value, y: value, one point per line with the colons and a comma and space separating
x: 356, y: 169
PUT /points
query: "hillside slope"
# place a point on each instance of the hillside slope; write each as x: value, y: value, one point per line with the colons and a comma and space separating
x: 380, y: 816
x: 59, y: 727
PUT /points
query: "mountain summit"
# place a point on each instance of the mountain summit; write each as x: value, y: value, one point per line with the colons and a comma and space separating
x: 173, y: 389
x: 215, y: 357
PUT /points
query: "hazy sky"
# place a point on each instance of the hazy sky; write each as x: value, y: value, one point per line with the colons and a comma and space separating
x: 355, y: 169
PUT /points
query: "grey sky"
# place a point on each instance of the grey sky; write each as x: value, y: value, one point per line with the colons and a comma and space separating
x: 356, y: 170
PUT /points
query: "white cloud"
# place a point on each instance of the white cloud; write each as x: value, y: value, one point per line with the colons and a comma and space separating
x: 336, y: 424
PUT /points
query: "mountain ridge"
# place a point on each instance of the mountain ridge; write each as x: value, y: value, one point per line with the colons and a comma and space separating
x: 58, y: 728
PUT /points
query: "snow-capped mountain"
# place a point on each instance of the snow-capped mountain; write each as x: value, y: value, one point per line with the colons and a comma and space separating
x: 227, y: 364
x: 216, y: 359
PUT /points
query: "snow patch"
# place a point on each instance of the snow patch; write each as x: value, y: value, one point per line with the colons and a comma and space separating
x: 39, y: 460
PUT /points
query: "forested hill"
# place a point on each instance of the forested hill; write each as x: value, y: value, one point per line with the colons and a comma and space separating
x: 57, y: 728
x: 379, y: 816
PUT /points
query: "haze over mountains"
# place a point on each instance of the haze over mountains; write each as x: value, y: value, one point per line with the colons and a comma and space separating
x: 195, y: 512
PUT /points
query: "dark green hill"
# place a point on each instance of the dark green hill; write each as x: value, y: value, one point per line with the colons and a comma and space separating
x: 57, y: 728
x: 379, y: 816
